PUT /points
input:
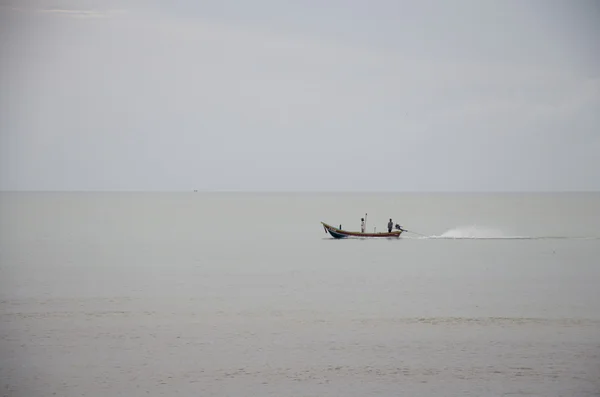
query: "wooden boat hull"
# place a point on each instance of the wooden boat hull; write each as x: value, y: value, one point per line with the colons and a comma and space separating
x: 339, y: 233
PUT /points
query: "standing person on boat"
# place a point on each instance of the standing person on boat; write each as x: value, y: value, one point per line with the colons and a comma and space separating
x: 362, y: 225
x: 390, y: 225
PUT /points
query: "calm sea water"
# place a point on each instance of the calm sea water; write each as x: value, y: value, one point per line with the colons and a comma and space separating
x: 192, y: 294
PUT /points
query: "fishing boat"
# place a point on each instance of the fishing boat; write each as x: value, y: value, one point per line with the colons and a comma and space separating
x: 339, y: 233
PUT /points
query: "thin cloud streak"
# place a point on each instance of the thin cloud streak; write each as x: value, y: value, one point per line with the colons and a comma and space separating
x: 82, y: 13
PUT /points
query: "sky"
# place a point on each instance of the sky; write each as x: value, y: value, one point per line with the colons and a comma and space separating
x: 266, y: 95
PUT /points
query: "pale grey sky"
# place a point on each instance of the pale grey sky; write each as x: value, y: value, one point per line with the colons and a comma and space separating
x: 305, y: 95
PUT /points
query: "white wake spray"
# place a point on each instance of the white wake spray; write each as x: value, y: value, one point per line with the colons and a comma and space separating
x: 476, y: 232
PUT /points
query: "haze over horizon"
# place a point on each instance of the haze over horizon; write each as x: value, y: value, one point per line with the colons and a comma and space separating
x: 271, y: 191
x: 480, y: 96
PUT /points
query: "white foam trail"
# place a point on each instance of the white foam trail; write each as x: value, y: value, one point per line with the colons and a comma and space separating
x: 474, y: 232
x: 483, y: 233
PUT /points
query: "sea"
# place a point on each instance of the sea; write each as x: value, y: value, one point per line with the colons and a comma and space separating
x: 244, y: 294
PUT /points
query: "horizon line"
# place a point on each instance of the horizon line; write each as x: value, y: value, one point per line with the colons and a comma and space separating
x: 296, y: 191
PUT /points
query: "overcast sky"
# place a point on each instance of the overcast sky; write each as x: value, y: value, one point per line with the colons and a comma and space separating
x: 302, y: 95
